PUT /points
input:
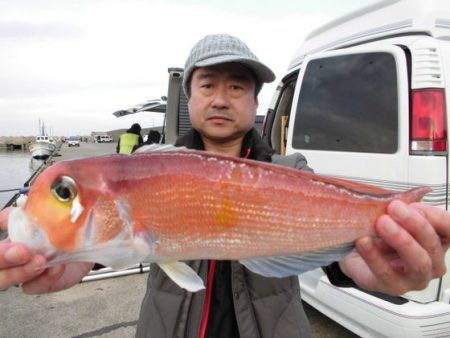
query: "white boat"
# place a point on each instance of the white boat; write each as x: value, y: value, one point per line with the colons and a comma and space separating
x: 43, y: 147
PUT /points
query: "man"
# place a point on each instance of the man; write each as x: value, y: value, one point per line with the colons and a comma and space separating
x: 130, y: 140
x: 222, y: 79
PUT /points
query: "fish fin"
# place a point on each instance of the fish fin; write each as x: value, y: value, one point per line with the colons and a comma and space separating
x: 89, y: 233
x: 124, y: 213
x: 284, y: 266
x: 158, y: 147
x: 183, y: 275
x: 117, y: 254
x: 414, y: 194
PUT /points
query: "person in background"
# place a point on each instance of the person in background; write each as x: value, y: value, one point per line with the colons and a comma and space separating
x: 130, y: 140
x: 153, y: 136
x: 222, y: 81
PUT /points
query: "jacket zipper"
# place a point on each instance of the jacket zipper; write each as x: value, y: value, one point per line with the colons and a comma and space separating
x: 209, y: 287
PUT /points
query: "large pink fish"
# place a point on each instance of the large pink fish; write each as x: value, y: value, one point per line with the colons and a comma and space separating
x: 169, y: 206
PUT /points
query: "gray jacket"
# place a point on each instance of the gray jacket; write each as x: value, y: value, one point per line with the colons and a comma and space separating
x: 264, y: 307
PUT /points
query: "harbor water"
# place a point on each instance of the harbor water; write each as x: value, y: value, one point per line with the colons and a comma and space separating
x: 16, y: 166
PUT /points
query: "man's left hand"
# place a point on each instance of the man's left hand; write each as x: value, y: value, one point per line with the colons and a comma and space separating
x: 408, y: 254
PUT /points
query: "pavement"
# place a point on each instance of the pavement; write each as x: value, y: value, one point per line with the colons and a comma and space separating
x: 85, y: 150
x: 100, y: 308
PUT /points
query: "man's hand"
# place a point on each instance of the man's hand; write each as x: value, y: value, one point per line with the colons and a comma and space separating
x: 409, y: 253
x: 19, y: 266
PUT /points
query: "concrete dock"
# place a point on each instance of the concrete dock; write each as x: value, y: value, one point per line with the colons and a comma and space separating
x: 101, y: 308
x: 85, y: 150
x: 16, y: 142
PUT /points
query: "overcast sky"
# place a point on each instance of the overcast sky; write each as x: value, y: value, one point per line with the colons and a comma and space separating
x: 72, y: 63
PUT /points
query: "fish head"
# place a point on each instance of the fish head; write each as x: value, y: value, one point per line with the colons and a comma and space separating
x: 57, y: 210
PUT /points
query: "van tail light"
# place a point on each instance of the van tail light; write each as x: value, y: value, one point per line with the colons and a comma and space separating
x: 428, y: 124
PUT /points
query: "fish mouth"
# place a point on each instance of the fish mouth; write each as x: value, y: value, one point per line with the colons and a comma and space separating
x: 22, y: 229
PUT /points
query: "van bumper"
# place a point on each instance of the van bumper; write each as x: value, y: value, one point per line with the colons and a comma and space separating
x: 370, y: 316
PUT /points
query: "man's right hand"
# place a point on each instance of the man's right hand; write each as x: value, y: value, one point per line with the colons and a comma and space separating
x: 18, y: 265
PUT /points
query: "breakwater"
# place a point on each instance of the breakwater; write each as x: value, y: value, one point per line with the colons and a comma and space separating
x: 16, y: 142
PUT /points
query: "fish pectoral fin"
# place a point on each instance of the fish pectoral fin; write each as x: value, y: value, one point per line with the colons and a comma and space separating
x: 117, y: 254
x: 183, y: 275
x: 292, y: 265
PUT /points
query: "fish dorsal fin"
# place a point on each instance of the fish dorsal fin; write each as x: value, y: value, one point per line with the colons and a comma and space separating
x: 284, y: 266
x: 158, y: 147
x: 183, y: 275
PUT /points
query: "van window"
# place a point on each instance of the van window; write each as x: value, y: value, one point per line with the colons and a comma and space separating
x: 277, y: 119
x: 348, y: 103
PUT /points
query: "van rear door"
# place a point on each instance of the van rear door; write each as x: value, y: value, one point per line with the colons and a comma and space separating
x: 350, y: 117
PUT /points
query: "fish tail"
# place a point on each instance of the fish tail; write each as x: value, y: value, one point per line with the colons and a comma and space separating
x: 414, y: 194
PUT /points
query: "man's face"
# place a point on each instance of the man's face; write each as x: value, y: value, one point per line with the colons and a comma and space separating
x: 222, y: 105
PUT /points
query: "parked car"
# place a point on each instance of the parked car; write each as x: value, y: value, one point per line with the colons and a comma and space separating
x: 73, y: 141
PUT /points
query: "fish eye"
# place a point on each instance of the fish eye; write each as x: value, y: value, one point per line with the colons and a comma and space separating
x: 64, y: 189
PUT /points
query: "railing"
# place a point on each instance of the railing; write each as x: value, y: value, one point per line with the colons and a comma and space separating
x: 110, y: 273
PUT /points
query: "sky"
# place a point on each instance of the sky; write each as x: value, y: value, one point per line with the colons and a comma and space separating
x: 72, y: 63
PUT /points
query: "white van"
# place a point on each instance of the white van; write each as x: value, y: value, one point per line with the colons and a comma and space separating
x: 103, y: 139
x: 365, y: 98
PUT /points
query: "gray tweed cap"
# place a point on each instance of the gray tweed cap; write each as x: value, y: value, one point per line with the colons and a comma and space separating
x: 223, y: 48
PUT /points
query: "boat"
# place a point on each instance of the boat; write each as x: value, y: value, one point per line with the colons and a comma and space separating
x: 43, y: 147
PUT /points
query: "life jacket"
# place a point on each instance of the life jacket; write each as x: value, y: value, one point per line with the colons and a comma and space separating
x: 127, y: 143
